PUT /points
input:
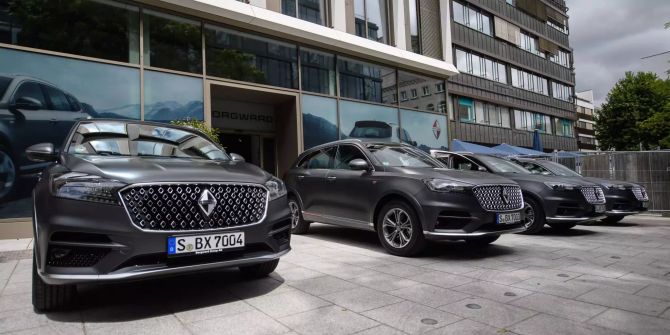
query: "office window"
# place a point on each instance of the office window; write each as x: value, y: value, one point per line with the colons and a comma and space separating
x: 366, y: 81
x: 419, y: 88
x: 562, y: 27
x: 472, y: 17
x: 439, y: 87
x: 172, y: 42
x: 530, y: 44
x: 563, y: 127
x: 473, y: 64
x: 531, y: 121
x: 561, y: 58
x: 425, y: 90
x: 560, y: 91
x: 371, y: 20
x: 309, y: 10
x: 415, y: 39
x: 403, y: 96
x: 465, y: 108
x: 529, y: 81
x: 317, y: 71
x: 484, y: 113
x: 169, y: 97
x: 414, y: 93
x: 100, y: 29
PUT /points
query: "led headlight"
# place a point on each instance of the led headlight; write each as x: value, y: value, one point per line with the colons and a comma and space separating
x: 611, y: 186
x: 561, y: 186
x: 276, y: 188
x: 444, y: 185
x: 85, y: 187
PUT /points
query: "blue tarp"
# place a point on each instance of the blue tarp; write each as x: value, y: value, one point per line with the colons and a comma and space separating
x: 457, y: 145
x: 513, y: 150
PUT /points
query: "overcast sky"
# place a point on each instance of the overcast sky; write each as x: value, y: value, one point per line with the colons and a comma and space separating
x: 610, y: 36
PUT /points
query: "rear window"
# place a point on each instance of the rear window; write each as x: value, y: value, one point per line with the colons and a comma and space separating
x: 4, y: 83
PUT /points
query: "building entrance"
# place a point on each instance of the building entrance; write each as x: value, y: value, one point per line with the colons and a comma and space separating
x: 261, y: 125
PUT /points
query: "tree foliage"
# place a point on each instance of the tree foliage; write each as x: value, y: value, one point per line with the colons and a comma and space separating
x: 212, y: 133
x: 635, y: 114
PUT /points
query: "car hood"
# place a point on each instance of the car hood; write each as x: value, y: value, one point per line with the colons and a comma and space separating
x: 133, y: 170
x: 544, y: 179
x: 601, y: 181
x: 470, y: 177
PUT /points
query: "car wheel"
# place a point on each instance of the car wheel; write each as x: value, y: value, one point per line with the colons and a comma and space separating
x: 535, y: 219
x: 298, y: 224
x: 562, y: 226
x: 259, y: 270
x: 399, y: 229
x: 613, y: 219
x: 51, y: 297
x: 482, y: 241
x: 8, y: 175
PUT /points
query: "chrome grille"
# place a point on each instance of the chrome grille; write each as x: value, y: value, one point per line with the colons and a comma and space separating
x: 499, y: 197
x: 180, y: 207
x: 593, y: 194
x: 640, y: 193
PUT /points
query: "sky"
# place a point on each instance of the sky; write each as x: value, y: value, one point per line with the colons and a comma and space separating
x: 610, y: 36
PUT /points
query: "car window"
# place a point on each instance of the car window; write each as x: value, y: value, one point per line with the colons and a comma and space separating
x: 462, y: 163
x: 76, y: 106
x: 4, y: 83
x: 31, y: 90
x: 534, y: 168
x: 500, y: 165
x: 402, y: 156
x: 321, y: 159
x: 58, y: 99
x: 346, y: 154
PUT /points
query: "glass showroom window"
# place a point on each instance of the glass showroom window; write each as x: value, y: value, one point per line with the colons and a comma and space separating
x: 317, y: 71
x: 172, y: 42
x: 465, y: 108
x: 561, y: 58
x: 170, y: 97
x: 468, y: 62
x: 415, y: 84
x: 319, y: 119
x: 529, y: 82
x: 530, y: 44
x: 532, y: 121
x: 309, y: 10
x: 247, y: 57
x: 366, y: 81
x: 104, y: 29
x: 563, y: 127
x: 423, y: 130
x: 371, y: 20
x: 472, y: 17
x: 361, y: 120
x: 560, y: 91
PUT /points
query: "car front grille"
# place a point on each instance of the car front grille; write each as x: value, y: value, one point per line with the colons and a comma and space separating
x: 499, y: 197
x: 181, y: 207
x: 593, y: 194
x: 640, y: 193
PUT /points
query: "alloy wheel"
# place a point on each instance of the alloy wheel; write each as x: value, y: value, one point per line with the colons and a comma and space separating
x: 530, y: 215
x: 397, y: 228
x: 295, y: 213
x: 7, y: 174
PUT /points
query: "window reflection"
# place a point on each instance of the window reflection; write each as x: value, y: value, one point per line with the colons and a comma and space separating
x: 428, y: 99
x: 308, y: 10
x: 366, y: 81
x: 172, y: 42
x: 371, y: 20
x: 360, y: 120
x: 318, y: 71
x: 319, y: 119
x: 170, y: 97
x: 240, y: 56
x: 424, y: 130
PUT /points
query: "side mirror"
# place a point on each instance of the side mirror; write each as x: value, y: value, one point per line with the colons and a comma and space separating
x: 482, y: 169
x: 236, y: 158
x: 42, y: 152
x: 359, y: 165
x: 26, y: 103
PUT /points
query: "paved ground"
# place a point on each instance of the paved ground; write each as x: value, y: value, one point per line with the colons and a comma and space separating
x: 593, y: 280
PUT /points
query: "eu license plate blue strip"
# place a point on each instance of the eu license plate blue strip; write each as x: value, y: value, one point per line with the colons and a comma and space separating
x: 172, y: 246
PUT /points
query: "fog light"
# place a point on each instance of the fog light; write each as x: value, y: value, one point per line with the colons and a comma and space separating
x: 59, y: 253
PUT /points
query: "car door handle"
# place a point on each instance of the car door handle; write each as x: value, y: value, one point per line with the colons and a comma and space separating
x: 331, y: 178
x: 53, y: 120
x: 300, y: 177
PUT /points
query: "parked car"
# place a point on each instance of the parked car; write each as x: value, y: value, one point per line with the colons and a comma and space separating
x: 400, y: 192
x: 380, y: 131
x: 128, y: 200
x: 31, y: 111
x: 558, y: 201
x: 622, y: 198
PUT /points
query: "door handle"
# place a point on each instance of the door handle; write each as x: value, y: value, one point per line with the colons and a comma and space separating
x: 53, y: 120
x: 331, y: 178
x: 300, y: 177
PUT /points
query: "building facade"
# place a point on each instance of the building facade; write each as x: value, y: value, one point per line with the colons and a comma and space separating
x: 585, y: 126
x: 516, y: 73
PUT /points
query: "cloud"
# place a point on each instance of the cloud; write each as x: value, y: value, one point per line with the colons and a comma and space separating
x: 609, y: 37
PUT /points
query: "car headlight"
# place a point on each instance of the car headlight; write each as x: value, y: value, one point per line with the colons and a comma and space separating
x: 276, y: 188
x: 444, y: 185
x: 612, y: 186
x: 86, y: 187
x: 561, y: 186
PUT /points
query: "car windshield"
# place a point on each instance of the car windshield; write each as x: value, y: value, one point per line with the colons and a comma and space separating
x: 400, y: 156
x: 559, y: 169
x: 500, y: 165
x: 4, y: 83
x: 110, y: 138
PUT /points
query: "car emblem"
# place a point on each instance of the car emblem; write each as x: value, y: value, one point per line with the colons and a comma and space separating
x: 207, y: 202
x: 504, y: 196
x: 436, y: 129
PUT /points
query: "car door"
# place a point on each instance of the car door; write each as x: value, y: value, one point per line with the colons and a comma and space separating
x: 310, y: 178
x: 349, y: 192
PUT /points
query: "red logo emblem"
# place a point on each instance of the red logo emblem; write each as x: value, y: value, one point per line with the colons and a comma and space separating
x: 436, y: 129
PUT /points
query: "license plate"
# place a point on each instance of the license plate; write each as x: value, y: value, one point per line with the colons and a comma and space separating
x: 600, y: 208
x: 508, y: 218
x: 203, y: 244
x: 645, y: 204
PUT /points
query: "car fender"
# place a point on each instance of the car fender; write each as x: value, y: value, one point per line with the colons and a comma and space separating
x: 391, y: 194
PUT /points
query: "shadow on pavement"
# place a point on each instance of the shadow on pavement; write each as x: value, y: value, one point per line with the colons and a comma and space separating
x: 617, y: 224
x: 548, y: 231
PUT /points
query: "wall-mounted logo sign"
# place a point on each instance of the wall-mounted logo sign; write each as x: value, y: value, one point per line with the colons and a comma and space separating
x: 258, y: 120
x: 436, y: 129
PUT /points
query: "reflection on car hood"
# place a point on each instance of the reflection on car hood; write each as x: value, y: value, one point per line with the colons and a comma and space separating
x: 157, y: 169
x: 544, y: 179
x: 470, y: 177
x: 600, y: 181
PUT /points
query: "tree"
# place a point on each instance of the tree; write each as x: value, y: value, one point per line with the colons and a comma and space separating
x: 625, y: 121
x: 657, y: 127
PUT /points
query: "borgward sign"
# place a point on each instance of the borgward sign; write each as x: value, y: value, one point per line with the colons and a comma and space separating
x: 207, y: 202
x: 436, y: 129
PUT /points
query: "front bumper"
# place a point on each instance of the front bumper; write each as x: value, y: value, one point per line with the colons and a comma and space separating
x: 105, y: 246
x: 623, y: 203
x: 569, y: 206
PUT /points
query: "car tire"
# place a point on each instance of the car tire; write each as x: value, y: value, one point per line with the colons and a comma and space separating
x: 298, y: 223
x: 51, y: 297
x: 562, y: 226
x: 612, y: 219
x: 535, y: 213
x: 8, y: 175
x: 406, y: 221
x: 482, y: 241
x: 259, y: 270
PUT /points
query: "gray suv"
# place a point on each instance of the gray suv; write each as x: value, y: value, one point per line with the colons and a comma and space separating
x: 128, y: 200
x: 402, y: 193
x: 31, y: 111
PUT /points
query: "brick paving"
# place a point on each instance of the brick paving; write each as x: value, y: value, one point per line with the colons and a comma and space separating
x: 592, y: 280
